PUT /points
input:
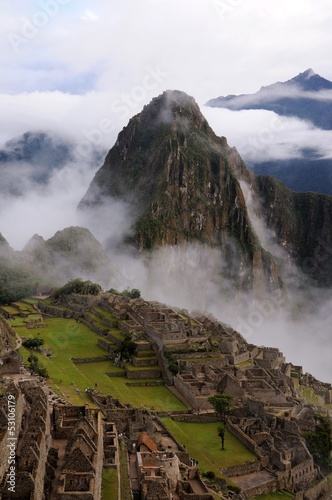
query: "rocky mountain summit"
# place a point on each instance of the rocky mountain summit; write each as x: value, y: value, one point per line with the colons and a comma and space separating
x: 185, y: 185
x: 306, y: 96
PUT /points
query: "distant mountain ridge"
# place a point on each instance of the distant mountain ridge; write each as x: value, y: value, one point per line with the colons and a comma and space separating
x: 307, y: 96
x: 71, y: 253
x: 30, y: 160
x: 299, y: 174
x: 37, y: 147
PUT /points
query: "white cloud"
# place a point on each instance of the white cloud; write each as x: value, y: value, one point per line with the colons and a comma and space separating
x: 89, y: 16
x: 261, y: 135
x: 205, y: 55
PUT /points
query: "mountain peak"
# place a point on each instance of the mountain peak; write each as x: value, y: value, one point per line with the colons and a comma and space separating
x: 171, y: 106
x: 307, y: 74
x: 295, y: 97
x: 311, y: 81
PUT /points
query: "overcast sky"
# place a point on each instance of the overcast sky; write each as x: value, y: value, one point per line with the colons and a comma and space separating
x: 68, y: 64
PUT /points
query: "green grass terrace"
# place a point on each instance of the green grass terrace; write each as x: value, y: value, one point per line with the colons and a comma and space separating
x: 203, y: 444
x: 279, y: 495
x: 67, y: 339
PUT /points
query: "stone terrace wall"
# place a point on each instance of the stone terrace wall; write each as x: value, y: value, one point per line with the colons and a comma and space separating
x: 77, y: 361
x: 320, y: 490
x: 240, y: 470
x: 190, y: 417
x: 57, y: 312
x: 143, y: 373
x: 105, y: 345
x: 90, y: 324
x: 263, y: 489
x: 241, y: 436
x: 189, y: 396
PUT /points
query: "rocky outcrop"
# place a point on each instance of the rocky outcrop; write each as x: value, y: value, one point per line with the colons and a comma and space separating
x: 169, y: 164
x: 183, y: 184
x: 302, y: 223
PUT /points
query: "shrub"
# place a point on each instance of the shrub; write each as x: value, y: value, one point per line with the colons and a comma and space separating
x: 32, y: 343
x: 134, y: 293
x: 210, y: 475
x: 78, y: 286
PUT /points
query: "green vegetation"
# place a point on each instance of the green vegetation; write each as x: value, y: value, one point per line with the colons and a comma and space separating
x: 320, y: 442
x: 202, y: 443
x: 109, y: 486
x: 279, y: 495
x: 222, y: 405
x: 78, y: 286
x: 134, y: 293
x: 36, y: 366
x: 125, y: 491
x: 329, y: 482
x: 34, y: 343
x: 127, y: 348
x: 15, y: 281
x: 67, y: 338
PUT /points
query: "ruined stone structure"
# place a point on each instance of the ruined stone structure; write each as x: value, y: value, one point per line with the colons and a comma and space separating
x: 159, y: 465
x: 61, y: 449
x: 82, y: 430
x: 35, y: 447
x: 10, y: 360
x: 29, y: 447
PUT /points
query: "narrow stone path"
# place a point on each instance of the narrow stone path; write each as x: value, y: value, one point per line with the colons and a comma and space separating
x: 61, y: 445
x: 197, y: 487
x: 133, y: 471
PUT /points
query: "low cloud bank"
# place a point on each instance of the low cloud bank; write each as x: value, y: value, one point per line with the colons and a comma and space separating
x: 261, y: 135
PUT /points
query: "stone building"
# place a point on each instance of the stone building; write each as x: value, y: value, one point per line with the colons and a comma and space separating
x: 82, y: 430
x: 32, y: 425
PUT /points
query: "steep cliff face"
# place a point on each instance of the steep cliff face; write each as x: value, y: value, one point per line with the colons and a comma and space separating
x: 181, y: 179
x: 302, y: 223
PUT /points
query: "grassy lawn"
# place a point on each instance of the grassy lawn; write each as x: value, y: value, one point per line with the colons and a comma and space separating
x: 22, y: 306
x: 105, y: 313
x: 203, y: 444
x: 30, y: 301
x: 10, y: 310
x: 132, y: 368
x: 158, y: 396
x: 109, y: 485
x: 97, y: 321
x: 19, y: 321
x: 116, y: 333
x: 68, y: 338
x: 279, y: 495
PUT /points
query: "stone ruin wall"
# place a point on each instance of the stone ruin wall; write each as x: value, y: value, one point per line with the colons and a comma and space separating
x: 245, y: 440
x: 187, y: 392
